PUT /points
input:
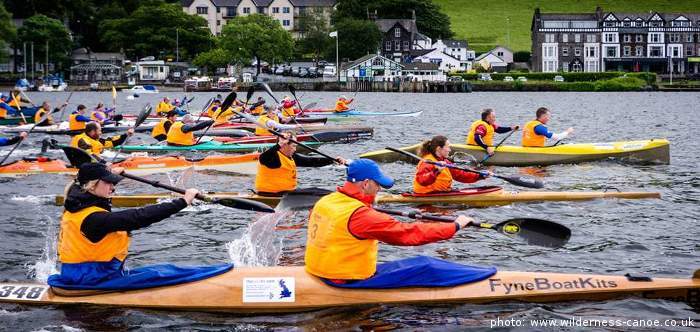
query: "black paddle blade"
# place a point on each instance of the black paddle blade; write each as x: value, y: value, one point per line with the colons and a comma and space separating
x: 301, y: 199
x: 76, y: 156
x: 244, y: 204
x: 228, y: 101
x: 522, y: 180
x: 292, y: 90
x: 143, y: 115
x: 251, y: 91
x: 269, y: 92
x: 538, y: 232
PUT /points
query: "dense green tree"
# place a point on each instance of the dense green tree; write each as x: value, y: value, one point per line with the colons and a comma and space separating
x: 430, y: 20
x: 213, y: 59
x: 40, y: 29
x: 357, y: 38
x: 7, y: 31
x: 314, y: 30
x: 256, y: 37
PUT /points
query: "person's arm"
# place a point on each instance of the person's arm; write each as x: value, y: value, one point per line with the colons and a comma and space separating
x: 279, y: 126
x: 464, y: 177
x: 97, y: 225
x: 502, y: 130
x: 167, y: 126
x: 366, y: 223
x: 82, y: 118
x: 114, y: 140
x: 543, y: 131
x: 303, y: 160
x: 196, y: 126
x: 427, y: 174
x: 270, y: 158
x: 4, y: 141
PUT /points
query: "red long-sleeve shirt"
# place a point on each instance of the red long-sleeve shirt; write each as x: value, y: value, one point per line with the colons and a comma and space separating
x: 367, y: 223
x: 428, y: 173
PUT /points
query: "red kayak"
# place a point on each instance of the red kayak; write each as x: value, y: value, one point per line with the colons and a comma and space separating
x: 348, y: 136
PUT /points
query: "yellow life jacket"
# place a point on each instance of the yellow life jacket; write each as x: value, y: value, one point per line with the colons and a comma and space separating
x: 443, y: 182
x: 74, y: 247
x: 487, y: 139
x: 212, y: 109
x: 261, y: 131
x: 259, y: 110
x: 331, y: 250
x: 40, y: 114
x: 341, y: 105
x: 177, y: 136
x: 74, y: 124
x: 96, y: 147
x: 221, y: 116
x: 288, y: 111
x: 15, y: 102
x: 163, y: 108
x: 3, y: 113
x: 530, y: 138
x: 275, y: 180
x: 159, y: 129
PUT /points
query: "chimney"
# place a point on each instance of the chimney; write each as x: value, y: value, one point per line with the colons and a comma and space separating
x: 413, y: 14
x: 598, y: 13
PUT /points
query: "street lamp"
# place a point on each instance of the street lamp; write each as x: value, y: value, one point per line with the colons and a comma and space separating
x: 337, y: 63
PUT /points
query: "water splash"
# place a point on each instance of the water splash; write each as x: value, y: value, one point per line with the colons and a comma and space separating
x: 46, y: 265
x: 260, y: 244
x: 35, y: 199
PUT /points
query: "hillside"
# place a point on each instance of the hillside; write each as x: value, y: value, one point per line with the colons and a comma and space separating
x: 485, y: 24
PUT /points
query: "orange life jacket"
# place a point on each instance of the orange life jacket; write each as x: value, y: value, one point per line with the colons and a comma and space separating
x: 443, y: 182
x: 530, y: 138
x: 260, y: 130
x: 177, y: 136
x: 487, y: 138
x: 275, y: 180
x: 74, y: 124
x: 74, y: 247
x: 159, y: 129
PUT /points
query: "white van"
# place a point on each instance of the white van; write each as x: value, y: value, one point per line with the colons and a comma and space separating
x: 329, y: 71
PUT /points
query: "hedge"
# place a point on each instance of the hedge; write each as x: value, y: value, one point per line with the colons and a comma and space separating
x: 614, y: 84
x: 649, y: 78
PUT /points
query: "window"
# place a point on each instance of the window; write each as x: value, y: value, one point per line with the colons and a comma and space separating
x: 285, y: 10
x: 565, y: 66
x: 397, y: 45
x: 639, y: 38
x: 275, y: 10
x: 286, y: 23
x: 397, y: 32
x: 689, y: 38
x: 626, y: 23
x: 261, y: 10
x: 638, y: 23
x: 609, y: 24
x: 388, y: 45
x: 565, y: 51
x: 500, y: 54
x: 218, y: 9
x: 202, y: 10
x: 655, y: 38
x: 655, y: 51
x: 577, y: 51
x: 590, y: 52
x: 610, y: 37
x: 688, y: 50
x: 627, y: 38
x: 675, y: 51
x: 246, y: 10
x: 675, y: 37
x: 230, y: 11
x: 565, y: 38
x: 611, y: 52
x: 549, y: 38
x: 577, y: 38
x: 656, y: 24
x: 639, y: 51
x: 627, y: 51
x: 405, y: 45
x: 591, y: 38
x: 218, y: 22
x: 576, y: 67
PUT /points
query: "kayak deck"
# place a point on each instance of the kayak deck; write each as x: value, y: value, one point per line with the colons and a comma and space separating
x: 649, y: 151
x: 481, y: 197
x: 257, y: 290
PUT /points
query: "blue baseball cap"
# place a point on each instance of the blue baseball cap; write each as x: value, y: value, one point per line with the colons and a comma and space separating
x: 363, y: 169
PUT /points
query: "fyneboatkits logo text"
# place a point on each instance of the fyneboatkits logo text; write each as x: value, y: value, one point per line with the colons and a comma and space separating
x: 498, y: 285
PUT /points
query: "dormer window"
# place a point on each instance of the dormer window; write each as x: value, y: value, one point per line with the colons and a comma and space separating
x: 397, y: 32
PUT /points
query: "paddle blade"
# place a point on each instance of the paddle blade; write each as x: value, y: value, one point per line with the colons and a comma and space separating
x: 228, y: 101
x: 292, y: 90
x: 76, y: 156
x: 301, y: 199
x: 244, y: 204
x: 536, y: 231
x: 269, y: 91
x: 143, y: 115
x: 522, y: 180
x: 310, y: 106
x: 249, y: 94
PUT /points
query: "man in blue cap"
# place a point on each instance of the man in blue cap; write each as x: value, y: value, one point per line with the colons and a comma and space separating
x: 344, y: 230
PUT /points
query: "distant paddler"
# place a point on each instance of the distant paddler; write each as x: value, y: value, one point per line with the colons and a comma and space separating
x: 341, y: 105
x: 288, y: 109
x: 215, y: 105
x: 344, y: 232
x: 78, y: 119
x: 45, y: 108
x: 161, y: 129
x: 164, y: 107
x: 181, y: 133
x: 223, y: 116
x: 277, y: 167
x: 5, y: 108
x: 16, y: 100
x: 536, y: 132
x: 258, y: 108
x: 482, y: 131
x: 432, y: 178
x: 94, y: 241
x: 272, y: 120
x: 5, y: 141
x: 91, y: 141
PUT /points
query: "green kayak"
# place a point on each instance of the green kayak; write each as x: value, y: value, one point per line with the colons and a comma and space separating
x: 13, y: 121
x: 207, y: 146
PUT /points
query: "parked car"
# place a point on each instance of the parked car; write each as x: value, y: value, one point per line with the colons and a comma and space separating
x: 295, y: 71
x: 522, y: 79
x: 455, y: 79
x: 558, y: 78
x: 303, y: 72
x: 280, y: 70
x: 329, y: 71
x: 508, y: 79
x: 485, y: 77
x: 313, y: 72
x: 323, y: 63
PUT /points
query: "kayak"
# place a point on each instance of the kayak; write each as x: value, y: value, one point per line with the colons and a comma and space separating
x: 280, y: 289
x: 62, y: 128
x: 236, y: 131
x: 648, y: 151
x: 138, y: 165
x: 352, y: 113
x: 252, y: 126
x: 321, y: 136
x: 14, y: 121
x: 476, y: 197
x: 205, y: 146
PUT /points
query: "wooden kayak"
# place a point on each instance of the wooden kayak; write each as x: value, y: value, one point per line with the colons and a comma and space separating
x: 477, y: 197
x: 257, y: 290
x: 650, y: 151
x: 139, y: 165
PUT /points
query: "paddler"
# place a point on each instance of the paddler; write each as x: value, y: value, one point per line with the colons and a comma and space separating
x: 45, y: 107
x: 91, y: 141
x: 164, y: 107
x: 223, y: 116
x: 77, y: 120
x: 160, y: 130
x: 341, y: 105
x: 344, y: 230
x: 181, y: 133
x: 94, y: 241
x: 481, y: 131
x: 536, y: 132
x: 176, y: 107
x: 5, y: 108
x: 16, y: 99
x: 271, y: 119
x: 258, y: 108
x: 277, y: 167
x: 431, y: 178
x: 288, y: 106
x: 4, y: 141
x: 215, y: 105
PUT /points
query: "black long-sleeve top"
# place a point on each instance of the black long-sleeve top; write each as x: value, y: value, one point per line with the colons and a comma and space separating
x: 271, y: 159
x: 97, y: 225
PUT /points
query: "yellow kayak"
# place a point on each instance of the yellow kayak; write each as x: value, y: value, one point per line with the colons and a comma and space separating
x: 646, y: 151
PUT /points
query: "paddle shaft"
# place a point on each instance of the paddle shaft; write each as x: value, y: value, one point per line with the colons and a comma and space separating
x: 292, y: 89
x: 158, y: 184
x: 206, y: 107
x: 224, y: 106
x: 142, y: 117
x: 19, y: 107
x: 497, y: 146
x: 418, y: 215
x: 63, y: 108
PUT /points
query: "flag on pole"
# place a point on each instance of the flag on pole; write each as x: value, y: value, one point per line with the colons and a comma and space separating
x: 114, y: 97
x: 333, y: 34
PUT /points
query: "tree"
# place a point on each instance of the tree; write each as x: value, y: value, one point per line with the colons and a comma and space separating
x: 357, y: 38
x: 152, y: 29
x: 257, y: 37
x: 213, y: 59
x: 8, y: 33
x: 43, y: 30
x: 430, y: 20
x: 315, y: 39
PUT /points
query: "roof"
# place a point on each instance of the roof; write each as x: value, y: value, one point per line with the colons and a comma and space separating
x: 356, y: 62
x: 226, y: 3
x: 483, y: 55
x: 420, y: 66
x: 262, y: 3
x: 568, y: 17
x: 95, y: 66
x: 386, y: 24
x: 455, y: 43
x: 503, y: 47
x: 420, y: 36
x: 313, y: 3
x: 417, y: 53
x: 84, y: 54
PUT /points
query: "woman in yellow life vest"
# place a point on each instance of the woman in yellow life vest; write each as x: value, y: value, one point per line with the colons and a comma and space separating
x: 181, y: 133
x: 288, y: 106
x: 277, y: 167
x: 94, y: 241
x: 43, y: 110
x: 344, y: 230
x: 270, y: 120
x: 160, y: 130
x: 215, y: 105
x: 341, y: 105
x: 432, y: 178
x: 77, y: 120
x: 91, y: 142
x: 258, y: 108
x: 536, y: 132
x: 482, y: 131
x: 164, y: 107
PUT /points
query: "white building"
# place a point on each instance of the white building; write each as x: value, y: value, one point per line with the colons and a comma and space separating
x: 155, y: 70
x: 446, y: 63
x: 372, y: 67
x: 420, y: 71
x: 490, y: 62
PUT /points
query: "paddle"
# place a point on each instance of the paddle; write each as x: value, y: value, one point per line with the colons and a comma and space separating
x: 139, y: 120
x: 19, y: 108
x: 269, y: 91
x: 224, y: 106
x: 78, y: 157
x: 63, y: 109
x: 497, y: 146
x: 533, y: 231
x: 43, y: 118
x: 293, y: 90
x: 206, y: 107
x: 523, y: 181
x: 308, y: 107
